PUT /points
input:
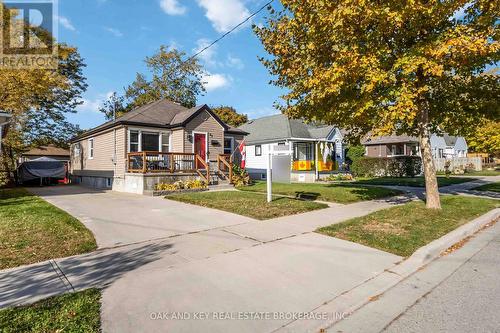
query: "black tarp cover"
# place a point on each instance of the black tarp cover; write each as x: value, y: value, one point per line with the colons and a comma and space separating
x: 43, y: 167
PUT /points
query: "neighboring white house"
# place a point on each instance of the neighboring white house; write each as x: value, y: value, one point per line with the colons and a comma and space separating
x: 448, y: 146
x: 445, y: 146
x: 315, y: 150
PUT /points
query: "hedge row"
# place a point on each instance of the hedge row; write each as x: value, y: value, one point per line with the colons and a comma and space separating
x: 399, y: 166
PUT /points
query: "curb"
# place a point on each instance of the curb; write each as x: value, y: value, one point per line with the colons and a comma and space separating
x: 354, y: 299
x: 431, y: 251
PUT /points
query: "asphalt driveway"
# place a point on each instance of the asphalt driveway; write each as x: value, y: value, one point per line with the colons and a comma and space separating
x: 121, y: 218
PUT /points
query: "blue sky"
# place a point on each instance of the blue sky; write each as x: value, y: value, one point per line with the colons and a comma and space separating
x: 114, y: 37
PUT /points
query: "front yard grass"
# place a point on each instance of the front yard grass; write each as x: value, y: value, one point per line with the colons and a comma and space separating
x: 341, y: 193
x: 74, y: 312
x: 248, y: 204
x: 403, y: 229
x: 493, y: 187
x: 412, y: 181
x: 32, y: 230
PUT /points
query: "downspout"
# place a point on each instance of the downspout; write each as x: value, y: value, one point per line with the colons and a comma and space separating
x: 114, y: 148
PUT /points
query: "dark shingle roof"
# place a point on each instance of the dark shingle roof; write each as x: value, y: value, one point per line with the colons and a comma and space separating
x: 162, y: 113
x: 450, y: 140
x: 280, y: 127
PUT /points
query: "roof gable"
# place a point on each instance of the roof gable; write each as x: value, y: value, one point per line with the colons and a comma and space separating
x: 280, y: 127
x: 162, y: 113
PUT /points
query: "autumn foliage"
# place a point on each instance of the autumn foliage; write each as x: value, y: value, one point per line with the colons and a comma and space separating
x: 387, y: 67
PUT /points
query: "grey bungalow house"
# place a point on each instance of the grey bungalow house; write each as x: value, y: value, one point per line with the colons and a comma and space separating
x: 315, y: 150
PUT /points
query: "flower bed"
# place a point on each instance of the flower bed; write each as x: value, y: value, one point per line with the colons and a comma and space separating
x: 180, y: 187
x: 157, y: 193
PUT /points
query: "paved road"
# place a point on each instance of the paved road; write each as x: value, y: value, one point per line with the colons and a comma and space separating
x: 468, y: 301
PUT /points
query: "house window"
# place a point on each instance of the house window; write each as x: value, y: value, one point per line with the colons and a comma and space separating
x: 91, y: 148
x: 133, y: 141
x: 303, y: 151
x: 397, y: 150
x: 150, y: 141
x: 228, y: 146
x: 108, y: 182
x: 258, y: 150
x: 165, y: 143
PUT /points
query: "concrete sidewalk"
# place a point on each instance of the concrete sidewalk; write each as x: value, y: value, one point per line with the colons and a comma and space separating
x: 103, y: 267
x: 466, y: 188
x: 465, y: 279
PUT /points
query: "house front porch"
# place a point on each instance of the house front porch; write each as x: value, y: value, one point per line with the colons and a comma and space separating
x: 147, y: 168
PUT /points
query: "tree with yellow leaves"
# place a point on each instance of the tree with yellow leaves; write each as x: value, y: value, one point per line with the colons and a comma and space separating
x: 485, y: 138
x: 38, y: 99
x: 387, y: 67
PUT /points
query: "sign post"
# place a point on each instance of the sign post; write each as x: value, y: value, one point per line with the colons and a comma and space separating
x: 269, y: 178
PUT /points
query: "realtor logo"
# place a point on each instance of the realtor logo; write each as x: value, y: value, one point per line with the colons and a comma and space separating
x: 28, y: 32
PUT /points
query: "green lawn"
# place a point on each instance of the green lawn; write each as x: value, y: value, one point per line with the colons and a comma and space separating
x: 69, y: 313
x: 414, y: 182
x: 403, y: 229
x: 495, y: 172
x: 248, y: 204
x: 32, y: 230
x: 493, y: 187
x: 341, y: 193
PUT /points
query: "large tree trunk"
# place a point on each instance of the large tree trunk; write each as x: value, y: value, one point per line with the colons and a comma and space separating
x: 431, y: 185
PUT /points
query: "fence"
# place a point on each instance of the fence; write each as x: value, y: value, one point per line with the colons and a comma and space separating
x: 459, y: 163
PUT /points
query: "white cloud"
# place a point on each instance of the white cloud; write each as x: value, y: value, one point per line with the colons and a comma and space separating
x: 224, y: 14
x: 215, y: 81
x: 234, y: 62
x: 207, y: 56
x: 65, y: 22
x: 115, y: 32
x: 93, y: 105
x: 172, y: 7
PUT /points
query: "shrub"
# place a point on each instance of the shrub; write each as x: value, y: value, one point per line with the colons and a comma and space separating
x: 339, y: 177
x: 240, y: 177
x: 447, y: 170
x: 354, y: 153
x: 180, y: 185
x: 399, y: 166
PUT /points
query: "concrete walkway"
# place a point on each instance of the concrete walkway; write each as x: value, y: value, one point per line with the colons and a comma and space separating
x: 274, y: 266
x: 201, y: 261
x: 466, y: 188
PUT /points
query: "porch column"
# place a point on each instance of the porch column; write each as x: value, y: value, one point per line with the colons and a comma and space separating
x: 316, y: 159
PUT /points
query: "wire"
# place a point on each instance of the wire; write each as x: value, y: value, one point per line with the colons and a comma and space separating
x: 230, y: 31
x: 216, y: 41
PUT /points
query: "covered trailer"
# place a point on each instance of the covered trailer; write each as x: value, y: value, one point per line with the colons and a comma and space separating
x: 43, y: 168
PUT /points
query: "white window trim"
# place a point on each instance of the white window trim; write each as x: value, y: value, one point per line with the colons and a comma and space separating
x: 140, y: 131
x: 206, y: 143
x: 91, y: 148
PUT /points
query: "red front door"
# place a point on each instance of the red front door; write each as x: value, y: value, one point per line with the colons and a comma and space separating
x: 200, y: 145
